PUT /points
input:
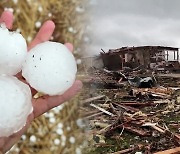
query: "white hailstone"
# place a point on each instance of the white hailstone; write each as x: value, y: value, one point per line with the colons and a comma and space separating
x: 15, y: 105
x: 80, y: 123
x: 51, y: 115
x: 40, y: 9
x: 23, y: 137
x: 18, y: 10
x: 38, y: 24
x: 33, y: 138
x: 63, y: 144
x: 50, y: 68
x: 15, y: 1
x: 49, y: 14
x: 52, y: 120
x: 18, y: 30
x: 60, y: 125
x: 63, y: 138
x: 72, y: 140
x: 13, y: 50
x: 68, y: 128
x: 78, y: 61
x: 29, y: 38
x: 138, y: 153
x: 56, y: 141
x: 59, y: 131
x: 78, y: 151
x: 71, y: 29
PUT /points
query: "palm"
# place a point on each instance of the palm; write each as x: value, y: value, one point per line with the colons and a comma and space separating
x: 45, y: 103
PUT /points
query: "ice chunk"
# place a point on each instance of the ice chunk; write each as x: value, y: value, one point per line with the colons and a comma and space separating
x: 15, y: 105
x: 13, y: 50
x: 50, y: 68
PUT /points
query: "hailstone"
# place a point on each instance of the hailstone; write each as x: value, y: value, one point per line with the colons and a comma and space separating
x: 13, y: 50
x: 15, y: 105
x: 50, y: 68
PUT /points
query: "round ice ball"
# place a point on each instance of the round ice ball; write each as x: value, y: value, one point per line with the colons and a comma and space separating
x: 13, y: 50
x: 50, y: 68
x: 15, y: 105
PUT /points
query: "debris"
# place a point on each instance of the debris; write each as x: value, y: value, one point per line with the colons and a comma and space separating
x: 170, y: 151
x: 139, y: 103
x: 101, y: 109
x: 141, y: 82
x: 133, y: 149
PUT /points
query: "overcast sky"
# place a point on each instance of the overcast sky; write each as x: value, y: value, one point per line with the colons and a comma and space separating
x: 117, y: 23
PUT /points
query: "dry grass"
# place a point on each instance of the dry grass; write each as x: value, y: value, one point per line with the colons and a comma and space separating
x: 57, y: 131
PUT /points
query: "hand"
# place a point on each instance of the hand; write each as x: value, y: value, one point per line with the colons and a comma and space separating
x: 45, y: 103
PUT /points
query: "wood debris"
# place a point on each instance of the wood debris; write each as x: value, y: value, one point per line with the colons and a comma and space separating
x: 127, y: 115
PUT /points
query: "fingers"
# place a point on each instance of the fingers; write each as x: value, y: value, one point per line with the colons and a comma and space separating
x: 44, y: 34
x: 42, y: 105
x: 69, y: 46
x: 7, y: 18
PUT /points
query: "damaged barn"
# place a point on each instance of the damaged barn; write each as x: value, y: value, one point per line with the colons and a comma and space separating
x: 150, y: 57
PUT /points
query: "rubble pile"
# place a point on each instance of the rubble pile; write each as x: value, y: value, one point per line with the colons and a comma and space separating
x: 132, y: 111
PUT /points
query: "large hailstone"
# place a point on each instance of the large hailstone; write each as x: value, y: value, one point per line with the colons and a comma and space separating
x: 13, y: 50
x: 15, y: 105
x: 50, y: 68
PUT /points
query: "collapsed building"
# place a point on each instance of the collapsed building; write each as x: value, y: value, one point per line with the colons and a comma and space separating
x: 158, y: 58
x: 150, y: 57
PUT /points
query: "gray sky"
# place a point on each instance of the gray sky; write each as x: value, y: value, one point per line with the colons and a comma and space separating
x: 117, y: 23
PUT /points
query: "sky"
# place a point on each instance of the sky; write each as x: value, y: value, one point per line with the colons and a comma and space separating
x: 118, y: 23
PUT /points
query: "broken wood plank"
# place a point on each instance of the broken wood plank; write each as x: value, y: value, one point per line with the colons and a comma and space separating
x: 137, y: 131
x: 92, y: 99
x: 154, y: 126
x: 101, y: 109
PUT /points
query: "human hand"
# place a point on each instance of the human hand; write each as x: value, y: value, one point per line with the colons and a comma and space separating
x: 45, y: 103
